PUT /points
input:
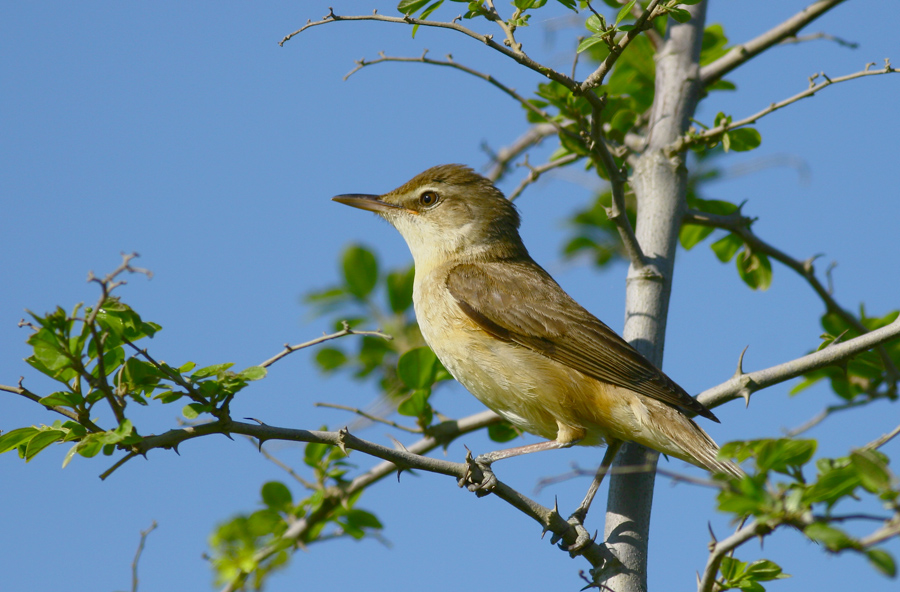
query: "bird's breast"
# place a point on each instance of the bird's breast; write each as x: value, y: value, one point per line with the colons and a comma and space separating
x: 533, y: 392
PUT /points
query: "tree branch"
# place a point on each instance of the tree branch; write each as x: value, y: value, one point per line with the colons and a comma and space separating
x: 486, y: 77
x: 740, y: 226
x: 692, y: 139
x: 742, y: 384
x: 488, y: 40
x: 722, y: 548
x: 289, y: 349
x: 740, y: 54
x: 502, y: 159
x: 408, y: 458
x: 616, y: 211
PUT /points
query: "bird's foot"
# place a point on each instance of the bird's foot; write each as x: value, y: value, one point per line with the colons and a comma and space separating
x: 479, y: 477
x: 584, y: 538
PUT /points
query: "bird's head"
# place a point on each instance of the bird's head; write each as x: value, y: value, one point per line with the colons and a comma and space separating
x: 448, y: 212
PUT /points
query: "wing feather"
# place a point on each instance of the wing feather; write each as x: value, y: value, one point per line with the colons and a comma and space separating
x: 519, y: 302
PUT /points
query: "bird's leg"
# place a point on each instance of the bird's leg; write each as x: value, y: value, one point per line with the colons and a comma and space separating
x: 578, y: 516
x: 483, y: 463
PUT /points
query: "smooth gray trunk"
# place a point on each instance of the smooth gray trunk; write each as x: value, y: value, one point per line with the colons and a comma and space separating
x: 660, y: 184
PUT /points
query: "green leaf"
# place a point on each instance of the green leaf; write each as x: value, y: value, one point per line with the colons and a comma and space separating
x: 594, y: 24
x: 330, y: 358
x: 360, y: 271
x: 425, y: 14
x: 765, y: 570
x: 680, y: 15
x: 417, y: 405
x: 871, y: 469
x: 587, y: 43
x: 626, y: 10
x: 782, y: 454
x: 502, y: 432
x: 192, y: 410
x: 882, y: 561
x: 411, y: 6
x: 14, y: 438
x: 62, y: 399
x: 277, y: 496
x: 213, y: 370
x: 417, y: 368
x: 252, y: 373
x: 400, y: 289
x: 41, y: 440
x: 732, y: 568
x: 692, y: 234
x: 833, y: 538
x: 726, y: 247
x: 755, y: 269
x: 743, y: 139
x: 314, y: 453
x: 570, y: 4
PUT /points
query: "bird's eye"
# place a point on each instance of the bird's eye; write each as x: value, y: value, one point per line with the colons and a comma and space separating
x: 428, y: 198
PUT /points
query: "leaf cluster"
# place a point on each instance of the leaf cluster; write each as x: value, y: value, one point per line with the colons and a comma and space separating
x: 808, y: 505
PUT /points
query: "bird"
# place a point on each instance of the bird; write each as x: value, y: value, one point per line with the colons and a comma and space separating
x: 506, y: 330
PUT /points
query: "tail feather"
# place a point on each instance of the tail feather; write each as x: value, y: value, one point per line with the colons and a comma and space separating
x: 701, y: 450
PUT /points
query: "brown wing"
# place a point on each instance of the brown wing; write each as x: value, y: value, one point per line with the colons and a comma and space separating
x: 519, y: 302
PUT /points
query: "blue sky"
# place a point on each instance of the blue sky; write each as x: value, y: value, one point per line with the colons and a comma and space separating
x: 185, y: 133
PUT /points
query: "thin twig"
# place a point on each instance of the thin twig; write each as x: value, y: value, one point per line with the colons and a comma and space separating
x: 506, y: 155
x: 693, y: 139
x: 449, y: 63
x: 534, y: 173
x: 289, y: 349
x: 816, y: 36
x: 823, y: 415
x: 137, y: 556
x: 488, y: 40
x: 721, y: 548
x: 508, y: 31
x: 676, y: 477
x: 286, y: 468
x: 616, y: 212
x: 882, y: 440
x: 20, y: 390
x: 370, y: 417
x: 744, y: 52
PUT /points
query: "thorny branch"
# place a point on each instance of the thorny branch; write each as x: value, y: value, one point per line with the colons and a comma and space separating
x: 814, y: 87
x: 740, y: 226
x: 743, y: 384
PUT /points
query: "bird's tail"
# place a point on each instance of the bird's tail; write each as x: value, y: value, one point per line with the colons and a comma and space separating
x: 701, y: 450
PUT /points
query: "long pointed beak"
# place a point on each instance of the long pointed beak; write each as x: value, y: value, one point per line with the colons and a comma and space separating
x: 373, y: 203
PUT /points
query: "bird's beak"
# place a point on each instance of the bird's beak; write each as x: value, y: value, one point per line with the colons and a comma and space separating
x: 373, y: 203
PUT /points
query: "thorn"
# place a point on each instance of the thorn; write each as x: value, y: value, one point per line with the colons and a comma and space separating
x: 745, y: 392
x: 227, y: 435
x: 175, y: 448
x: 837, y: 339
x: 398, y: 445
x: 342, y: 434
x: 740, y: 365
x: 256, y: 420
x: 712, y: 535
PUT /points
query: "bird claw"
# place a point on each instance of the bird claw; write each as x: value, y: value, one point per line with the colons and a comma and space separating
x: 583, y: 539
x: 478, y: 466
